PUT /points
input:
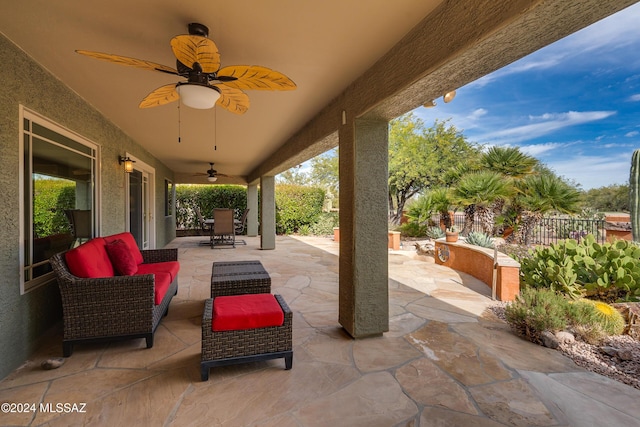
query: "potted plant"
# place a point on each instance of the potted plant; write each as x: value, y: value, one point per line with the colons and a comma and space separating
x: 451, y: 234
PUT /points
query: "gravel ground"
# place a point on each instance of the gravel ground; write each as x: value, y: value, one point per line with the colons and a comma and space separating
x: 596, y: 358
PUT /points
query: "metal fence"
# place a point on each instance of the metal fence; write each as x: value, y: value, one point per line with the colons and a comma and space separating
x: 550, y: 230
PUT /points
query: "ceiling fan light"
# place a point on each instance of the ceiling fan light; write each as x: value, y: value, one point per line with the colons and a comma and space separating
x: 212, y: 178
x: 448, y: 97
x: 197, y: 95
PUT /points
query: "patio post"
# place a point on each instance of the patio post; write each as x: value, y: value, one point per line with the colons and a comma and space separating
x: 268, y: 214
x: 252, y: 205
x: 363, y: 265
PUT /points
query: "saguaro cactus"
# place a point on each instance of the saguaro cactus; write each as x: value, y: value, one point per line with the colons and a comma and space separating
x: 634, y: 195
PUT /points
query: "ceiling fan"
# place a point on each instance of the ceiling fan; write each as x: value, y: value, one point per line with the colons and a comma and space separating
x: 212, y: 174
x: 206, y: 85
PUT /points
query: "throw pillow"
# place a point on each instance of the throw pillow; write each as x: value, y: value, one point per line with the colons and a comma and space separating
x: 121, y: 258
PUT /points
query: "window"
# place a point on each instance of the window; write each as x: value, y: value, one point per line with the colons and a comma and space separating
x: 168, y: 197
x: 58, y: 182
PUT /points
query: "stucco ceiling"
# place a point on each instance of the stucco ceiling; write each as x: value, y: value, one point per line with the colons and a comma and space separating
x: 324, y: 46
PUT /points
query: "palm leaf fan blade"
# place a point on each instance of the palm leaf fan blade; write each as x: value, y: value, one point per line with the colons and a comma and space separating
x: 161, y: 96
x: 191, y: 49
x: 232, y: 99
x: 130, y: 62
x: 255, y: 77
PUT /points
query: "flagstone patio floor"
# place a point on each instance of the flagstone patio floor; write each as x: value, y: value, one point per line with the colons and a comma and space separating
x: 446, y: 361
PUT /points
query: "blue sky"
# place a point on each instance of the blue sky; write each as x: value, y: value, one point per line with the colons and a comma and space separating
x: 574, y: 105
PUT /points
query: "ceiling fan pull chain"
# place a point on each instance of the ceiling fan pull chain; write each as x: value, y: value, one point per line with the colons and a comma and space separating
x: 179, y: 123
x: 215, y: 130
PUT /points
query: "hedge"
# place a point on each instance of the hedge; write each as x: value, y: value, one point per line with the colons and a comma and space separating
x: 206, y: 197
x: 297, y: 206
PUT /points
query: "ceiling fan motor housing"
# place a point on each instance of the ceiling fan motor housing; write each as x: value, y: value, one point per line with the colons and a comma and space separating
x: 196, y: 29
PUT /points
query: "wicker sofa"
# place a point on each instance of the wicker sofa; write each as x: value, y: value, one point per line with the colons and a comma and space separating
x: 111, y: 290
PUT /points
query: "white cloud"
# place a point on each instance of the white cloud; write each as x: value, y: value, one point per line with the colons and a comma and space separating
x: 632, y: 134
x: 635, y: 97
x: 525, y: 64
x: 594, y: 171
x: 477, y: 113
x: 536, y: 150
x: 549, y: 122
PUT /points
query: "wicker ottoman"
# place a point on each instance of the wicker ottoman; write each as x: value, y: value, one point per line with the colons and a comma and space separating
x: 221, y: 348
x: 239, y: 277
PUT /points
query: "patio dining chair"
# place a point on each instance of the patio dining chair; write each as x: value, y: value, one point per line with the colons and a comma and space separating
x: 240, y: 226
x: 80, y: 224
x: 204, y: 227
x: 223, y: 228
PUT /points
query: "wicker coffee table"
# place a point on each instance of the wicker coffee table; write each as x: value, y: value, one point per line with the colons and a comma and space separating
x: 239, y: 277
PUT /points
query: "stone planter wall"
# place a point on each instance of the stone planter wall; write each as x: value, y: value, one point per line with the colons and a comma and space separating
x: 478, y: 262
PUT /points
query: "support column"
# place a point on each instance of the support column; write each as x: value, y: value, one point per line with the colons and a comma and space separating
x: 268, y: 212
x: 252, y: 205
x: 364, y: 268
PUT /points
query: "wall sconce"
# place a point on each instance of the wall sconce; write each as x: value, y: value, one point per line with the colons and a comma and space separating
x: 448, y: 97
x: 128, y: 163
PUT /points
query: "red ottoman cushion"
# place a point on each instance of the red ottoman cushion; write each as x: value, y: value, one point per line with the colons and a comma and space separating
x: 246, y: 312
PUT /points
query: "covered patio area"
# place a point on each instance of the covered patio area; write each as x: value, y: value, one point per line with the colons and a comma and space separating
x: 445, y: 360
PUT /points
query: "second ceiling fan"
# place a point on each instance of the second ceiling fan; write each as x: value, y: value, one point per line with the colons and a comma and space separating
x: 212, y: 174
x: 198, y: 60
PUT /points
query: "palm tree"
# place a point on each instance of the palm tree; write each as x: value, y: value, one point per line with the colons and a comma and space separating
x: 537, y: 195
x: 511, y: 162
x: 441, y: 201
x: 477, y: 191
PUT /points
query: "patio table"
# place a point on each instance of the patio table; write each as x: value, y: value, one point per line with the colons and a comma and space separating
x: 239, y: 277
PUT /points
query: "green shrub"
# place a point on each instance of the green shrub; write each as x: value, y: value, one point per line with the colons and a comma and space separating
x: 537, y: 310
x: 325, y: 224
x: 296, y: 206
x: 479, y: 239
x: 304, y: 230
x: 608, y: 272
x: 413, y: 229
x: 206, y: 197
x: 50, y: 199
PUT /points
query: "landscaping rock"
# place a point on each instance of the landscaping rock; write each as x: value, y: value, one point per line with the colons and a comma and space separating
x: 631, y: 313
x: 550, y: 340
x: 565, y: 337
x: 53, y: 363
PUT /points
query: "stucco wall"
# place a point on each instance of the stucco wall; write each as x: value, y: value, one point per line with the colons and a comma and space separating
x: 24, y: 318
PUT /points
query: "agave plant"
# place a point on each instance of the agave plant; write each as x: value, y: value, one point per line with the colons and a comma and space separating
x: 479, y: 239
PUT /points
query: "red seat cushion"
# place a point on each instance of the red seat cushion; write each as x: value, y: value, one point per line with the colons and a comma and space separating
x: 127, y: 238
x: 170, y: 267
x: 162, y: 282
x: 121, y: 258
x: 246, y: 312
x: 90, y: 260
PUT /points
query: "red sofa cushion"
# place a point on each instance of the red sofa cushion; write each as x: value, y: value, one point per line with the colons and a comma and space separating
x: 162, y: 283
x: 127, y: 238
x: 246, y: 312
x: 90, y: 260
x: 170, y: 267
x: 121, y: 258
